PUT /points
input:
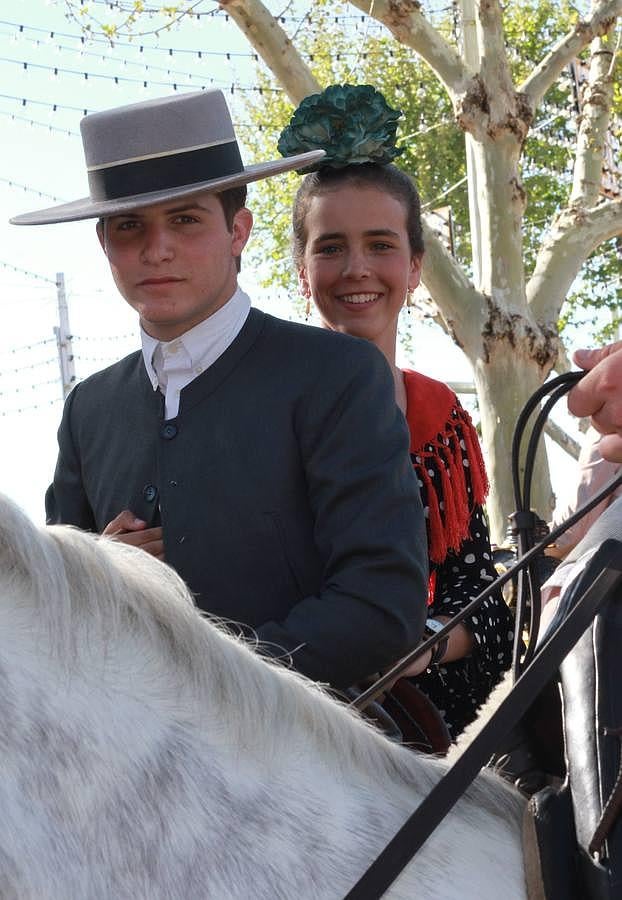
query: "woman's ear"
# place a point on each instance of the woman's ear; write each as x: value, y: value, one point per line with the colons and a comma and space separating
x: 414, y: 274
x: 303, y: 283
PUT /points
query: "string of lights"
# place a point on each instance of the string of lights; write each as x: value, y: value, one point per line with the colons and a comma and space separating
x: 66, y: 132
x: 104, y: 337
x: 12, y: 268
x: 86, y: 76
x: 21, y: 409
x: 107, y: 57
x: 199, y: 53
x: 56, y: 107
x: 130, y: 9
x: 30, y: 190
x: 24, y: 389
x: 25, y: 101
x: 36, y: 365
x: 229, y: 56
x: 106, y: 358
x: 173, y: 16
x: 120, y: 79
x: 7, y: 372
x: 32, y: 346
x: 429, y: 207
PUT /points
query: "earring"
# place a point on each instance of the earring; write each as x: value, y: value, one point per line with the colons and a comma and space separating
x: 307, y: 309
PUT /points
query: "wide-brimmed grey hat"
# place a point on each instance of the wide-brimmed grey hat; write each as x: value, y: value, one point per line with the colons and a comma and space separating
x: 153, y: 151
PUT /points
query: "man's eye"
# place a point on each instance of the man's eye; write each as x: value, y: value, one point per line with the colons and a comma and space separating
x: 328, y: 249
x: 186, y: 220
x: 382, y: 245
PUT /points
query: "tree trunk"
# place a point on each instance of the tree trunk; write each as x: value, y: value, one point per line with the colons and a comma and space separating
x: 503, y: 383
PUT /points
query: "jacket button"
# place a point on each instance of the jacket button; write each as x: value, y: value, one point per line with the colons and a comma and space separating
x: 150, y: 492
x: 168, y: 432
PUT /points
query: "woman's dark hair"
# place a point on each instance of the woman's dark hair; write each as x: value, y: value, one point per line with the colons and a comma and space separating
x: 384, y: 178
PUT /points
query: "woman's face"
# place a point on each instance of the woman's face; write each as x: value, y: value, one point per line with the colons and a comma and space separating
x: 357, y: 265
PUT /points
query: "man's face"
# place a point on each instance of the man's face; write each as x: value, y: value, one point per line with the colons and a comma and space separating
x: 174, y: 263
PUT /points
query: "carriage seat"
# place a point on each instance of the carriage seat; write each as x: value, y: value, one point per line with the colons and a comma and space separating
x: 561, y: 824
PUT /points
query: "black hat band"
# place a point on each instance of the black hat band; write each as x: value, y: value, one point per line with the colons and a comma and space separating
x: 164, y: 172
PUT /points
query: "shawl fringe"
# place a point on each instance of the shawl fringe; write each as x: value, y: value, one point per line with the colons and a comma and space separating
x: 454, y: 447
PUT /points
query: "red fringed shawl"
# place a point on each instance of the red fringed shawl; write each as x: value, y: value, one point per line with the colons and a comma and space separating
x: 441, y: 430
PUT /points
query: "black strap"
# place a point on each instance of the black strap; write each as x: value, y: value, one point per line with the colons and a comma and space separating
x: 603, y: 575
x: 379, y: 686
x: 528, y: 601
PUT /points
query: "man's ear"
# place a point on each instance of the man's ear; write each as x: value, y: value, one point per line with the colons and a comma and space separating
x: 303, y: 283
x: 241, y: 230
x: 99, y: 228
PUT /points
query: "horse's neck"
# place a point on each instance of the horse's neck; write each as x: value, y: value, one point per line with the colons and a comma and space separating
x: 348, y: 790
x: 114, y: 748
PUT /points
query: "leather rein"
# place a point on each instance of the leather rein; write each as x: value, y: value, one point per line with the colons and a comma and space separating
x: 602, y: 575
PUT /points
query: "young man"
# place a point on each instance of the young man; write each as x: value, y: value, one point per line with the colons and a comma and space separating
x: 265, y: 461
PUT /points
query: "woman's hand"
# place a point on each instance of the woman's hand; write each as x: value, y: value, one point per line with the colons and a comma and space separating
x: 419, y: 666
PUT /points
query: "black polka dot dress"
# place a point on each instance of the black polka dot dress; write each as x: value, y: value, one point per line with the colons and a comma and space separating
x: 465, y: 566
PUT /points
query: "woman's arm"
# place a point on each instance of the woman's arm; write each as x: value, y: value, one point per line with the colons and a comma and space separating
x: 459, y: 580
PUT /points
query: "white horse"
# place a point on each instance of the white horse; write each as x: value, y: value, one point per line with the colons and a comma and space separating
x: 145, y: 753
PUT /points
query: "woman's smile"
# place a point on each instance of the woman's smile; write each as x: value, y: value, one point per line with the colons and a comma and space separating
x: 358, y: 299
x: 358, y: 265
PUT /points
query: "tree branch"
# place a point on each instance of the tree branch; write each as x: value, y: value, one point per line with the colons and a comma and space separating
x: 462, y: 307
x: 561, y: 437
x: 264, y: 33
x: 574, y: 235
x: 495, y: 70
x: 409, y: 26
x: 603, y: 17
x: 596, y: 105
x: 585, y: 223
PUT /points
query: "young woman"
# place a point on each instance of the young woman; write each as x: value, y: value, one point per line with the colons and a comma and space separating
x: 358, y: 250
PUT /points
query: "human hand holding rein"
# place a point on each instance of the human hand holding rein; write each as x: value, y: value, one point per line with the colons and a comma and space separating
x: 599, y: 395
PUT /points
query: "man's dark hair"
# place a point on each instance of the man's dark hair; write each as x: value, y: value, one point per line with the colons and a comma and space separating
x: 232, y: 201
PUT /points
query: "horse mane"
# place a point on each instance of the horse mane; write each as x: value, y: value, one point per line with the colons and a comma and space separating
x: 107, y: 589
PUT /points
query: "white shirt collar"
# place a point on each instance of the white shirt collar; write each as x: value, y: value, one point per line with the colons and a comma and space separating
x: 197, y: 348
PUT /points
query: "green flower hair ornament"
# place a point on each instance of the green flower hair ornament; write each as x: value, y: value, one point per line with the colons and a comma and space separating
x: 353, y: 123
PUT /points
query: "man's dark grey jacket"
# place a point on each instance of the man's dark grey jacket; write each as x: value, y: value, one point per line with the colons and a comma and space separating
x: 284, y: 488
